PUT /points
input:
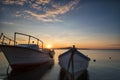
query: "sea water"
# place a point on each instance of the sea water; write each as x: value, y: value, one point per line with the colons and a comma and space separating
x: 104, y: 65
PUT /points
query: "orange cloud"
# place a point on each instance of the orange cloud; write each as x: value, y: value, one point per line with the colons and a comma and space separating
x: 50, y: 14
x: 22, y: 2
x: 18, y: 2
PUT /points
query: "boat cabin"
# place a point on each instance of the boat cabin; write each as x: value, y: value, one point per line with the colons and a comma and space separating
x: 31, y: 46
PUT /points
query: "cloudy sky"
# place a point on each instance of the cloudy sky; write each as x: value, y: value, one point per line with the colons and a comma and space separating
x: 63, y: 23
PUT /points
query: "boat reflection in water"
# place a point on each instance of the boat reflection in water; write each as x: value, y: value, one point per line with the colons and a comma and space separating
x: 64, y: 76
x: 33, y: 74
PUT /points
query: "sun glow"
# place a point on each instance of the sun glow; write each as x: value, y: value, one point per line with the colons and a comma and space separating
x: 49, y: 46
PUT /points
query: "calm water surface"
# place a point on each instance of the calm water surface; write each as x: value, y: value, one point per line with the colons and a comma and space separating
x: 103, y: 69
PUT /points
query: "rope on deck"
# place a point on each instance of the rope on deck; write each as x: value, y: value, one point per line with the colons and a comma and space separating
x: 71, y: 62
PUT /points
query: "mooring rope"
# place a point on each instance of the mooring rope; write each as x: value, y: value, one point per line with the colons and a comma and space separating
x: 7, y: 71
x: 1, y: 35
x: 71, y: 60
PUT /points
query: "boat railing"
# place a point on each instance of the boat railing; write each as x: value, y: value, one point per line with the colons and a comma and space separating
x: 29, y: 39
x: 3, y: 38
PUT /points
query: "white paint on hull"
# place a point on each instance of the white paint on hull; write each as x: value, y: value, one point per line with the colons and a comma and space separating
x: 80, y: 64
x: 20, y: 55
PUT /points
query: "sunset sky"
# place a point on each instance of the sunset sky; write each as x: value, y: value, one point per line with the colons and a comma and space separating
x: 63, y: 23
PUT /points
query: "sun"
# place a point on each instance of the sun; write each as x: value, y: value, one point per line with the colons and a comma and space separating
x: 49, y: 46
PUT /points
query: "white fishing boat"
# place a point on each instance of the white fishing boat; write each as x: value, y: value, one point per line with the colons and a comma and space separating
x: 74, y: 63
x: 25, y: 56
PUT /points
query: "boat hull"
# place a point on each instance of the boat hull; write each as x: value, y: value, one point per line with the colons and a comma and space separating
x: 24, y: 58
x: 79, y: 65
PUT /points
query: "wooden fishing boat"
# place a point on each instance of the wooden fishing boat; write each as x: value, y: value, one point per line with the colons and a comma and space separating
x: 74, y: 63
x: 25, y: 56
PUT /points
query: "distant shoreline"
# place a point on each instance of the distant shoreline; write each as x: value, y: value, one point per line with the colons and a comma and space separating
x: 85, y: 49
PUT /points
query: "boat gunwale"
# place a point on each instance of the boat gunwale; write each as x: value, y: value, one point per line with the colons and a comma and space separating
x: 20, y: 47
x: 78, y: 52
